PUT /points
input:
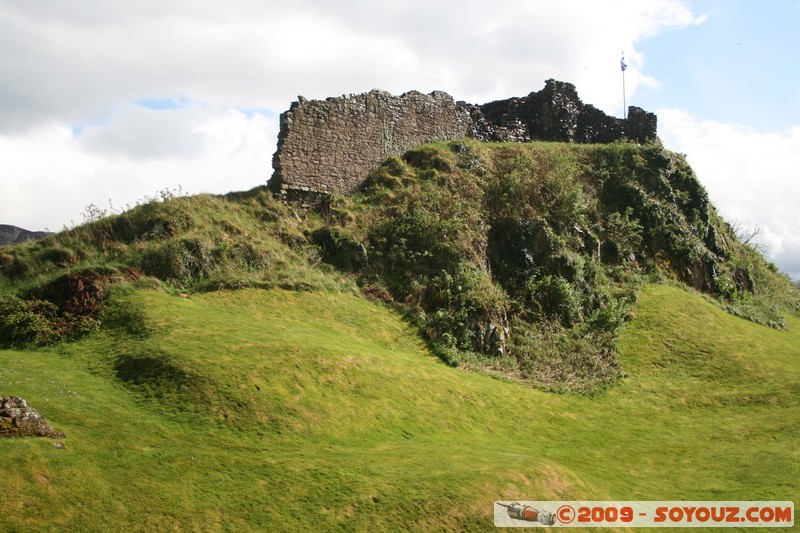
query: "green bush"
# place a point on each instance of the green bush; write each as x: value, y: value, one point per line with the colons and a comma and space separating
x: 565, y: 360
x: 622, y: 236
x: 60, y: 256
x: 178, y: 260
x: 517, y: 248
x: 459, y: 305
x: 14, y: 267
x: 393, y: 174
x: 415, y: 243
x: 430, y: 157
x: 341, y: 249
x: 543, y: 185
x: 26, y: 322
x: 556, y: 299
x: 610, y: 316
x: 152, y: 220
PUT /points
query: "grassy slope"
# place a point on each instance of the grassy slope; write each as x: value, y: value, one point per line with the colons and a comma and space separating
x: 284, y: 410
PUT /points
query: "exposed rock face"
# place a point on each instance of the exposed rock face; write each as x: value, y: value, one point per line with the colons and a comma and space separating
x: 14, y: 235
x: 17, y: 419
x: 332, y: 145
x: 491, y: 334
x: 556, y: 113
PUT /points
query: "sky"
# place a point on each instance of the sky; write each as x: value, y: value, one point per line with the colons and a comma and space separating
x: 106, y: 103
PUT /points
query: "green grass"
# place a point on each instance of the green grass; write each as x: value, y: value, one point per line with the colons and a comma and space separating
x: 276, y: 410
x: 197, y: 243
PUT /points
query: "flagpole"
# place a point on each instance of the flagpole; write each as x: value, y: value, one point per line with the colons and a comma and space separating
x: 623, y: 66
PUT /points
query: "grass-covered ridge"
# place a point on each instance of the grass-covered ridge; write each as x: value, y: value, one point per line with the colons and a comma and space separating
x: 201, y: 242
x: 55, y: 288
x: 265, y: 404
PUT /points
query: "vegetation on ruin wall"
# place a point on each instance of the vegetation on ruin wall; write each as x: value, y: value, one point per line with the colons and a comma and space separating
x: 520, y: 259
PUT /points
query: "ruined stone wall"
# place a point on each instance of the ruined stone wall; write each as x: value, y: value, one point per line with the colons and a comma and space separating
x: 556, y: 113
x: 332, y: 145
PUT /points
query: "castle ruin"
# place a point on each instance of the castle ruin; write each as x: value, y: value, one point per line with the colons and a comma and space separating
x: 332, y: 145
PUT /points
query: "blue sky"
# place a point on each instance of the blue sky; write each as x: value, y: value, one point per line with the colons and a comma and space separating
x: 728, y: 95
x: 739, y: 66
x: 106, y: 102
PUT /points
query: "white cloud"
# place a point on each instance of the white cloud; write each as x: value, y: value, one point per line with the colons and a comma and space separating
x: 142, y: 133
x: 752, y: 177
x: 76, y: 63
x: 51, y: 175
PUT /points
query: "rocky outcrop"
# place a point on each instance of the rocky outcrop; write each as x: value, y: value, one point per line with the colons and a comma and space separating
x: 17, y: 419
x: 557, y: 114
x: 14, y: 235
x: 490, y: 334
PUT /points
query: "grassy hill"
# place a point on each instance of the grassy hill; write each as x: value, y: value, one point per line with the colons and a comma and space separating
x: 520, y: 258
x: 271, y: 409
x: 388, y: 360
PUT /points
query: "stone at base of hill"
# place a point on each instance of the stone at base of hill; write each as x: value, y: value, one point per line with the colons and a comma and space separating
x: 17, y: 419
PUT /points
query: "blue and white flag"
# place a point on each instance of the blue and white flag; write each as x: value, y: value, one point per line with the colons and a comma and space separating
x: 622, y: 64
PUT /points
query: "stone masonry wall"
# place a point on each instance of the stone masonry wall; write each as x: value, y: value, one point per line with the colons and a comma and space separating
x: 557, y: 114
x: 332, y: 145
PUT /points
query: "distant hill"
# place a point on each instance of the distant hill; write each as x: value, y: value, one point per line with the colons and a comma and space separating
x: 13, y: 235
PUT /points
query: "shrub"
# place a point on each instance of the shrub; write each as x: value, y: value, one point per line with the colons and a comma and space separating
x: 178, y: 260
x: 542, y: 185
x: 152, y: 220
x: 416, y: 243
x: 556, y: 299
x: 60, y: 256
x: 622, y: 236
x: 13, y: 266
x: 393, y: 174
x: 340, y: 249
x: 515, y: 247
x: 430, y: 157
x: 565, y: 360
x: 26, y: 321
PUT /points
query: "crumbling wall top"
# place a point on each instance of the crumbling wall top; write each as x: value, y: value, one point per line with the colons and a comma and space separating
x: 332, y: 145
